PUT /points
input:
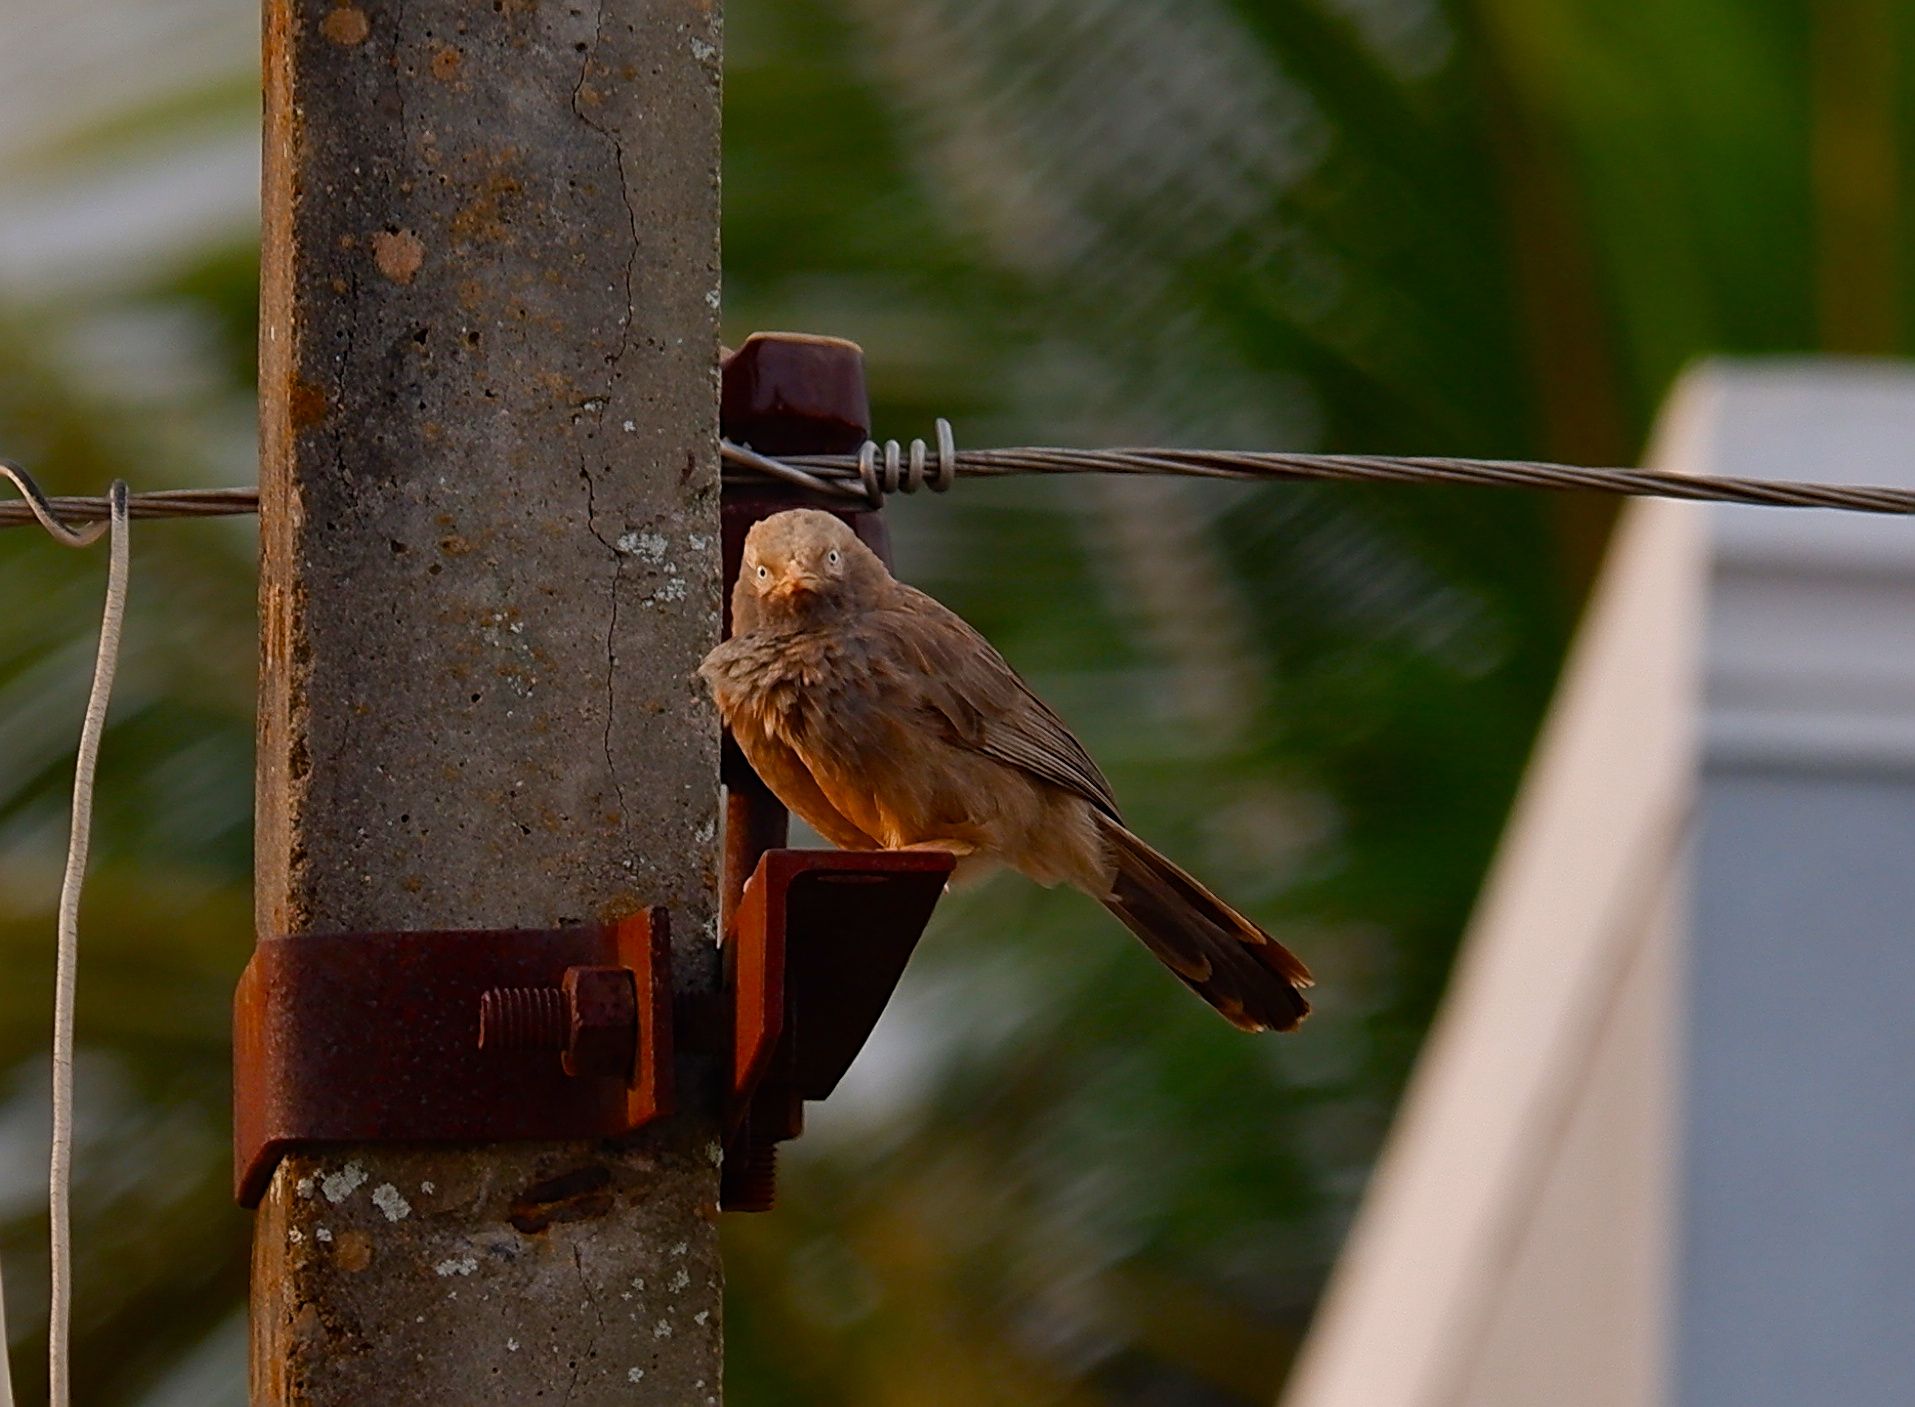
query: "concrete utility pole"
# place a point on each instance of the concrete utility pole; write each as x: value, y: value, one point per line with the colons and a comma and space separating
x: 491, y: 559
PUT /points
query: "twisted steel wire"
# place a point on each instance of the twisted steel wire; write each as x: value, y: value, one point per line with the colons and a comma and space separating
x: 840, y: 474
x: 882, y: 469
x: 166, y: 503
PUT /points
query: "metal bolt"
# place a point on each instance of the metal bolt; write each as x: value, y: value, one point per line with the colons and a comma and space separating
x: 751, y: 1176
x: 524, y: 1018
x: 592, y: 1018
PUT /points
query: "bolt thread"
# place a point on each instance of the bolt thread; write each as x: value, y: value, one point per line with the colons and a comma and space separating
x: 754, y: 1184
x: 524, y: 1018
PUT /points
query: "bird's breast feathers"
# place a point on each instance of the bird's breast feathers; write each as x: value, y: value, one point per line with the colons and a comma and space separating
x: 769, y: 683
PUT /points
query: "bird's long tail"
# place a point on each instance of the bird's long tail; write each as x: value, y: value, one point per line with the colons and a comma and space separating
x: 1248, y: 976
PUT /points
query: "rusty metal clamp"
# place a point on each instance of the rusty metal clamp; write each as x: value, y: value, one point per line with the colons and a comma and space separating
x: 451, y: 1036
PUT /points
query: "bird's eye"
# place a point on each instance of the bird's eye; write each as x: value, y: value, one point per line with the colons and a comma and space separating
x: 763, y: 571
x: 832, y: 556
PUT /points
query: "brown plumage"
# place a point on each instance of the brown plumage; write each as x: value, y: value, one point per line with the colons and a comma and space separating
x: 886, y: 722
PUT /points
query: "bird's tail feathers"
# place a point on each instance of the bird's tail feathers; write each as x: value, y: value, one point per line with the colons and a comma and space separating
x: 1248, y: 976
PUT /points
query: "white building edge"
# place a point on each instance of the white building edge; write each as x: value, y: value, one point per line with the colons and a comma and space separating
x: 1660, y: 1146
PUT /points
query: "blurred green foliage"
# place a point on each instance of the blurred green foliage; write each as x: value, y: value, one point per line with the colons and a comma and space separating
x: 1388, y: 225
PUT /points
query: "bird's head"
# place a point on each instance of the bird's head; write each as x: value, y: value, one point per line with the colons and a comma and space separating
x: 804, y: 563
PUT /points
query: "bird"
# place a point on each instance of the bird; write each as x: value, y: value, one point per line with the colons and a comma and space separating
x: 887, y: 722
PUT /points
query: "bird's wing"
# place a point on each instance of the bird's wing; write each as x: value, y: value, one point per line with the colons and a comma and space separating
x: 980, y: 702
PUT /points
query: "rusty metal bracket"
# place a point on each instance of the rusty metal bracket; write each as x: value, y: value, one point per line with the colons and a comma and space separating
x: 452, y: 1036
x: 812, y: 954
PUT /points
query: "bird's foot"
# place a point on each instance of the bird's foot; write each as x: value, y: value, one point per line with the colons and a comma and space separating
x: 955, y: 847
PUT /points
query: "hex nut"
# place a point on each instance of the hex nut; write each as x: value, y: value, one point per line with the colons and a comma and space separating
x: 604, y: 1034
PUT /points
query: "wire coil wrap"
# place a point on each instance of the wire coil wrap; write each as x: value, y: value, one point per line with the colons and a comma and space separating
x: 895, y: 476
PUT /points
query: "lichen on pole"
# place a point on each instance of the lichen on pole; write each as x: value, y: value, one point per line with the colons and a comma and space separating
x: 489, y: 525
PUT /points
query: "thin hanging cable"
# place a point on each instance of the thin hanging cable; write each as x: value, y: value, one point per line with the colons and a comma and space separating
x: 38, y: 508
x: 60, y: 1169
x: 60, y: 1312
x: 6, y: 1371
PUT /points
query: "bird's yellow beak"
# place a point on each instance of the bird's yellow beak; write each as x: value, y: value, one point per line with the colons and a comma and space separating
x: 793, y: 585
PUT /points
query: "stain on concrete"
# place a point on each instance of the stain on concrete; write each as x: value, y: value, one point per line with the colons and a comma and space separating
x: 575, y: 1196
